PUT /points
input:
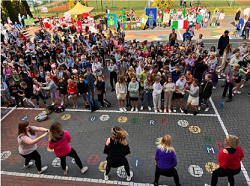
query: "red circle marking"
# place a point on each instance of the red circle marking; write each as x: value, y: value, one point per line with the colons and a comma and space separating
x: 93, y: 159
x: 163, y: 121
x: 219, y: 145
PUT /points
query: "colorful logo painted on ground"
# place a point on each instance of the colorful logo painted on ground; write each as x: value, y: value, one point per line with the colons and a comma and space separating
x: 195, y: 129
x: 195, y: 170
x: 93, y: 118
x: 104, y: 117
x: 93, y: 159
x: 102, y: 166
x: 122, y: 119
x: 5, y: 155
x: 66, y: 117
x: 211, y: 166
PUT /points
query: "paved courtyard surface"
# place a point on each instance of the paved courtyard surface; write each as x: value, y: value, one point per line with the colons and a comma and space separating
x: 197, y: 140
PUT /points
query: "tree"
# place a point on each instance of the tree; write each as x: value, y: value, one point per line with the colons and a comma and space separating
x: 12, y: 8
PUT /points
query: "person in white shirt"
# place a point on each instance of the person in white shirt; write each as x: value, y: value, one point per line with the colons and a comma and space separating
x: 235, y: 59
x: 221, y: 17
x: 97, y: 67
x: 246, y: 12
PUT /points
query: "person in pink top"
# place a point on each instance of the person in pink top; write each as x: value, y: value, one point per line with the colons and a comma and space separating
x: 59, y: 141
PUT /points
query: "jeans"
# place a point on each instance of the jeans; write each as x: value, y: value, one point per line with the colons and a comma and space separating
x: 147, y: 98
x: 172, y: 172
x: 151, y: 22
x: 230, y: 86
x: 37, y: 98
x: 247, y: 33
x: 85, y: 97
x: 91, y: 90
x: 220, y: 172
x: 21, y: 23
x: 33, y: 156
x: 72, y: 154
x: 113, y: 77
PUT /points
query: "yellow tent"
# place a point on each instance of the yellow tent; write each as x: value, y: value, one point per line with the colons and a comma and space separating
x: 79, y: 9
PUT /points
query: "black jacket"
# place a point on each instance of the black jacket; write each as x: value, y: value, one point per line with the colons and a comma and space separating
x: 206, y: 89
x: 62, y: 87
x: 82, y: 87
x: 223, y: 42
x: 100, y: 87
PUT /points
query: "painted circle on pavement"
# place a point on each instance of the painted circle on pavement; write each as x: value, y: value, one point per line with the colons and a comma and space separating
x: 24, y: 118
x: 50, y: 150
x: 194, y: 129
x: 93, y: 159
x: 219, y: 145
x: 5, y: 155
x: 134, y: 120
x: 211, y: 166
x: 102, y: 166
x: 93, y: 118
x: 152, y: 122
x: 122, y: 173
x: 75, y: 118
x: 104, y: 117
x: 66, y: 117
x: 56, y: 162
x: 163, y: 121
x: 208, y: 139
x: 183, y: 123
x: 136, y: 163
x: 42, y: 144
x: 210, y: 150
x: 195, y: 170
x: 122, y: 119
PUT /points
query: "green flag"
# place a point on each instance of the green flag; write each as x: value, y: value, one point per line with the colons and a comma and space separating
x: 184, y: 12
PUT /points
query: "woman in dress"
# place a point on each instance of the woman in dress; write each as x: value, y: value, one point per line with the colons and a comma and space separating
x: 229, y: 160
x: 116, y: 148
x: 59, y: 140
x: 221, y: 17
x: 165, y: 160
x: 27, y: 140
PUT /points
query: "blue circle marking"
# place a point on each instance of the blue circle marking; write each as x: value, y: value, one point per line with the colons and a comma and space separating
x: 152, y: 122
x: 24, y: 118
x: 93, y: 118
x: 136, y: 163
x: 210, y: 150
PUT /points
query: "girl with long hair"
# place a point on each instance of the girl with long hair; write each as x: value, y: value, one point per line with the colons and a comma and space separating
x: 27, y: 140
x: 121, y: 92
x: 225, y: 59
x: 59, y: 140
x: 116, y: 148
x: 165, y: 160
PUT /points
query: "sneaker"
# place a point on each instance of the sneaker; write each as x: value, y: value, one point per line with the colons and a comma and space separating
x: 223, y: 74
x: 174, y: 109
x: 66, y: 171
x: 207, y: 109
x: 149, y: 108
x: 229, y: 100
x: 128, y: 178
x: 30, y: 164
x: 74, y: 106
x: 238, y: 92
x: 132, y: 109
x: 84, y: 169
x: 155, y: 110
x: 136, y: 109
x: 125, y: 110
x: 43, y: 169
x: 199, y: 108
x: 160, y: 110
x: 106, y: 177
x: 120, y: 109
x: 141, y: 108
x: 62, y: 103
x: 53, y: 103
x: 241, y: 86
x: 195, y: 113
x: 185, y: 111
x: 219, y: 76
x: 181, y: 110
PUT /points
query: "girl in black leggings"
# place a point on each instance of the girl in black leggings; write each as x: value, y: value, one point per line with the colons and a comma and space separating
x: 116, y: 148
x: 113, y: 72
x: 59, y: 141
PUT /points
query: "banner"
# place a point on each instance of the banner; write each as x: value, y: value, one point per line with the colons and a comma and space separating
x: 144, y: 21
x: 44, y: 9
x: 29, y: 21
x: 154, y: 11
x: 112, y: 21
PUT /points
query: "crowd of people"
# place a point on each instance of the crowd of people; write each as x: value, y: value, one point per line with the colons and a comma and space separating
x: 117, y: 148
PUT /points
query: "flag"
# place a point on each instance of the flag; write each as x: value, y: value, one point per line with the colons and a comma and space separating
x: 144, y: 21
x: 184, y: 12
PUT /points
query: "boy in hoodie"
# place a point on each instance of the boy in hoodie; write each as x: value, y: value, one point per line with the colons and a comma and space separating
x: 91, y: 78
x: 83, y: 90
x: 193, y: 98
x: 100, y: 85
x: 205, y: 91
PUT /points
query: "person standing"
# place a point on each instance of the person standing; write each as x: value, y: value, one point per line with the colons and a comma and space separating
x: 229, y: 159
x: 27, y: 140
x: 151, y: 20
x: 237, y: 16
x: 165, y: 160
x: 246, y: 28
x: 198, y: 21
x: 172, y: 37
x: 59, y: 140
x: 169, y: 88
x: 221, y: 17
x: 20, y: 20
x: 117, y: 148
x: 223, y: 42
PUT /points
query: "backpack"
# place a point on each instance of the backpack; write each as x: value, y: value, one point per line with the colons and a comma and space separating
x: 41, y: 117
x: 93, y: 105
x: 48, y: 110
x: 59, y: 109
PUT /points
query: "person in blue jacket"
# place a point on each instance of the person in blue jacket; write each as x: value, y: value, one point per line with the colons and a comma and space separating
x: 165, y: 160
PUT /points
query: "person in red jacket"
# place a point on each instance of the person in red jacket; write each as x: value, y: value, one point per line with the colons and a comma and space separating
x: 229, y: 160
x: 71, y: 88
